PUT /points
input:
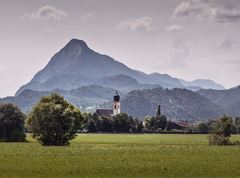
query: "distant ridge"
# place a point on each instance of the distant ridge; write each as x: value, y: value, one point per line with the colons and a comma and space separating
x: 185, y: 104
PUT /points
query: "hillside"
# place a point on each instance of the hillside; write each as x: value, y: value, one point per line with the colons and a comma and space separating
x: 185, y: 104
x: 84, y: 97
x: 229, y: 100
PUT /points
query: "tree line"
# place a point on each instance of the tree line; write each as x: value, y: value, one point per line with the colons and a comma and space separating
x: 54, y: 121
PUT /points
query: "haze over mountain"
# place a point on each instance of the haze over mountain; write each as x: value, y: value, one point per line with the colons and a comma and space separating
x: 77, y: 65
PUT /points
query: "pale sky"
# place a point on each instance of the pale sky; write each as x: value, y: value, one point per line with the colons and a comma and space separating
x: 187, y: 39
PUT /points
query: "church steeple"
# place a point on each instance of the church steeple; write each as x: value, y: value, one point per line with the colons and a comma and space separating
x: 116, y: 104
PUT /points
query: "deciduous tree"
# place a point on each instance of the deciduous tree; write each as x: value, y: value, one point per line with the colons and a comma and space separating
x: 11, y: 123
x: 53, y: 121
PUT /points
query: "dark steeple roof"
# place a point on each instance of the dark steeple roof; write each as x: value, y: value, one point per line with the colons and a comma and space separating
x: 116, y: 97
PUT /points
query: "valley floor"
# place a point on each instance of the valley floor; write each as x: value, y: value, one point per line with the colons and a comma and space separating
x: 122, y: 155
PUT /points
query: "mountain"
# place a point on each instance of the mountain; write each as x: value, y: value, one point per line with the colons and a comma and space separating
x: 77, y: 65
x: 164, y: 79
x: 89, y: 79
x: 229, y: 100
x: 123, y: 83
x: 204, y: 84
x: 185, y: 104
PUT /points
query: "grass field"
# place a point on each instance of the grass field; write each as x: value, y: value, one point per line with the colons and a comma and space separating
x: 127, y: 156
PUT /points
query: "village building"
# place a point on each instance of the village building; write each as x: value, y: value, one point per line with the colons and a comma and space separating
x: 116, y: 108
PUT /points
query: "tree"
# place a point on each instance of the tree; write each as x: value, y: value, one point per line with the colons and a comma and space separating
x: 107, y: 124
x: 221, y: 131
x: 169, y: 126
x: 53, y: 120
x: 202, y: 128
x: 137, y: 126
x: 82, y: 121
x: 147, y: 122
x: 91, y: 126
x: 161, y: 122
x: 158, y: 111
x: 156, y: 123
x: 122, y: 123
x: 11, y: 123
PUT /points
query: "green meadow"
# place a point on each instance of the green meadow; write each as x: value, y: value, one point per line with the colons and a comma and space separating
x: 122, y: 155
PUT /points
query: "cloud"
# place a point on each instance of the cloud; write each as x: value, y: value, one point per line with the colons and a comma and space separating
x: 227, y: 44
x: 142, y: 24
x: 174, y: 28
x: 220, y: 11
x: 86, y: 18
x: 46, y: 13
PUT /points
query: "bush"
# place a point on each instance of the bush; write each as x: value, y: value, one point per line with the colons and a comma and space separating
x: 11, y: 124
x: 53, y: 121
x: 221, y: 131
x: 215, y: 139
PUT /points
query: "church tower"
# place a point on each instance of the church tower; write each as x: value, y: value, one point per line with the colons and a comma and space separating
x: 116, y: 104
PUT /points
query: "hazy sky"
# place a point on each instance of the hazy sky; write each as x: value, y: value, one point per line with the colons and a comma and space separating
x: 187, y: 39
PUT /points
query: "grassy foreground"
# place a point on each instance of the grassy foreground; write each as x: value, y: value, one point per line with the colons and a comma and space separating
x: 127, y: 156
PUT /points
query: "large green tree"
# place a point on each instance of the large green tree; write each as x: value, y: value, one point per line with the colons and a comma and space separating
x: 54, y: 121
x: 11, y: 123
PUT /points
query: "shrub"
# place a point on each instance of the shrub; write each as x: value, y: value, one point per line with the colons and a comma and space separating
x: 216, y: 139
x: 221, y: 131
x: 53, y: 121
x: 11, y: 124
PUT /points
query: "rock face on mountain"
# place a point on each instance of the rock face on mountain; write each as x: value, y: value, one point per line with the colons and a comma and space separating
x: 229, y: 100
x: 77, y: 65
x: 175, y: 103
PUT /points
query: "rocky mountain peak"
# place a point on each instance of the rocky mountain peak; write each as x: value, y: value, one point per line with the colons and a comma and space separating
x: 75, y: 46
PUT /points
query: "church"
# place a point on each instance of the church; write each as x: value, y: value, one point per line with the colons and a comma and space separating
x: 116, y: 108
